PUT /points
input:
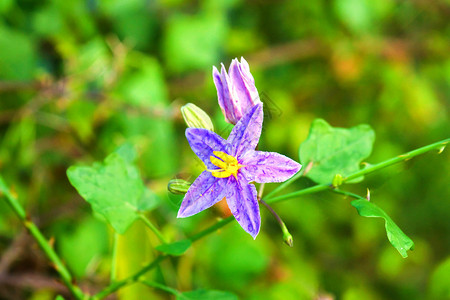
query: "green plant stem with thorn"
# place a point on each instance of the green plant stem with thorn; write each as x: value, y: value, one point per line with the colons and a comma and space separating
x: 42, y: 242
x: 270, y: 198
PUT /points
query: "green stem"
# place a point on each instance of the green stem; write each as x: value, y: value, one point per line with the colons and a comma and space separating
x: 286, y: 183
x: 350, y: 194
x: 114, y: 257
x: 161, y: 287
x: 287, y: 236
x: 153, y: 228
x: 314, y: 189
x: 310, y: 190
x: 136, y: 277
x: 211, y: 229
x: 367, y: 170
x: 400, y: 158
x: 42, y: 242
x: 129, y: 280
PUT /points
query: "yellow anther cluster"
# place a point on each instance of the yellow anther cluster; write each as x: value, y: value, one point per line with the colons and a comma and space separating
x: 228, y: 165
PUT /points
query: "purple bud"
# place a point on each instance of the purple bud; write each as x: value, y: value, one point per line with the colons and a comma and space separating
x: 236, y: 90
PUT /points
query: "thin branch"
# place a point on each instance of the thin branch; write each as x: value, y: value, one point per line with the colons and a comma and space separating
x: 211, y: 229
x: 129, y: 280
x: 405, y: 156
x: 114, y: 257
x: 160, y: 286
x: 346, y: 193
x: 136, y: 277
x: 286, y: 183
x: 369, y: 169
x: 42, y: 241
x: 153, y: 228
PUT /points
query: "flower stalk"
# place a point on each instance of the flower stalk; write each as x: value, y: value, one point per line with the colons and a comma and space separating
x: 152, y: 228
x: 287, y: 236
x: 115, y: 245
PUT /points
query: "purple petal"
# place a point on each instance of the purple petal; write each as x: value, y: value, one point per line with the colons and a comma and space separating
x: 206, y: 191
x: 203, y: 142
x: 245, y: 135
x: 244, y: 85
x: 223, y: 95
x: 265, y: 167
x: 242, y: 201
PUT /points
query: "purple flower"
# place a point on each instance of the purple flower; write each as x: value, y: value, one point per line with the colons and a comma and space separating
x: 236, y: 91
x: 231, y: 165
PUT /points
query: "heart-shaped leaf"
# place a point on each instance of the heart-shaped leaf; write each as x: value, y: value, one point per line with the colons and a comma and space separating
x: 333, y: 151
x: 114, y: 189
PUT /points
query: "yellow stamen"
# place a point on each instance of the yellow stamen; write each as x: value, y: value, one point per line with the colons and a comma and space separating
x: 218, y: 163
x: 225, y: 157
x: 220, y: 174
x: 228, y: 165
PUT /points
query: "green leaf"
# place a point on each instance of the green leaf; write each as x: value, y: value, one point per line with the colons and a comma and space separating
x: 114, y: 189
x: 133, y: 20
x: 127, y: 152
x: 6, y: 5
x: 335, y: 150
x: 176, y: 248
x: 362, y: 16
x: 201, y: 38
x: 206, y: 295
x: 143, y: 84
x: 17, y: 55
x: 148, y: 201
x: 80, y: 115
x: 143, y: 87
x: 94, y: 61
x: 40, y: 23
x: 439, y: 287
x: 398, y: 239
x: 17, y: 145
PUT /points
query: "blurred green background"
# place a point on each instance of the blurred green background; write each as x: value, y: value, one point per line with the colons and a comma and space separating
x: 80, y: 78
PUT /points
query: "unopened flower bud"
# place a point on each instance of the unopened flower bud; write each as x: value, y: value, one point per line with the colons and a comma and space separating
x: 236, y: 90
x: 337, y: 180
x: 178, y: 186
x: 287, y: 236
x: 288, y: 240
x: 195, y: 117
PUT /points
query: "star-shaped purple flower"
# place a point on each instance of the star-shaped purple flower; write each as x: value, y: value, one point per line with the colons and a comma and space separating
x: 231, y: 165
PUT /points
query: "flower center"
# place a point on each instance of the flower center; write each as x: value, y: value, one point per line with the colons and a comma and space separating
x: 228, y: 165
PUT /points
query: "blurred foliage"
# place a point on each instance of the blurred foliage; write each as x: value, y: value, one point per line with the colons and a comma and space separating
x: 80, y: 78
